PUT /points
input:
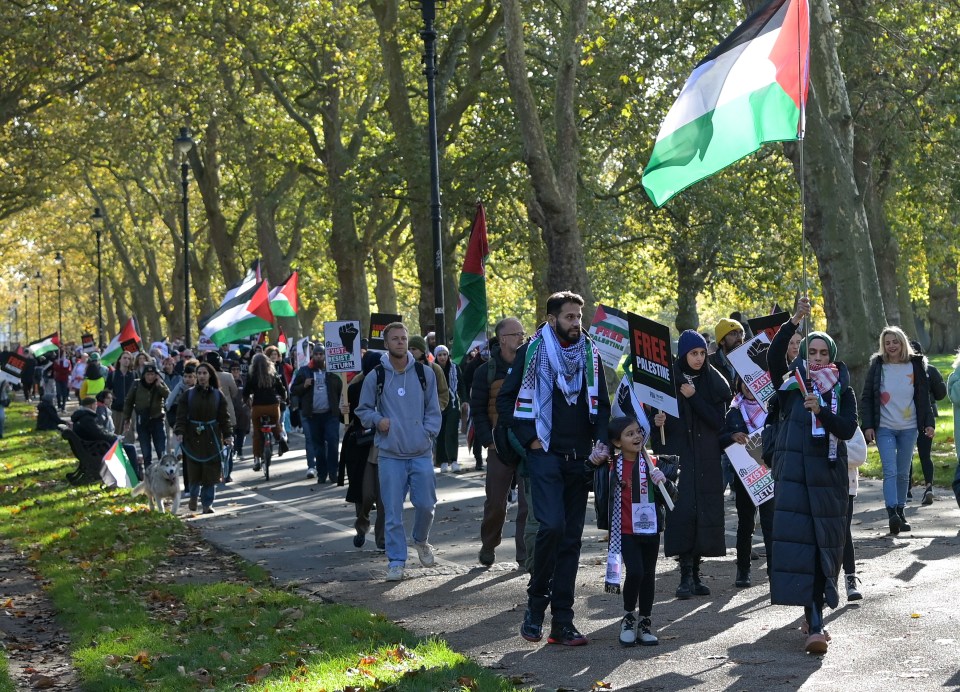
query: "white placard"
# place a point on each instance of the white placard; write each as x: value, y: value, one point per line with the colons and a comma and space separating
x: 756, y: 479
x: 342, y: 344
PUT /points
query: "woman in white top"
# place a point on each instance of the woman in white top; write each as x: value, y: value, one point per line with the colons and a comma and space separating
x: 895, y: 405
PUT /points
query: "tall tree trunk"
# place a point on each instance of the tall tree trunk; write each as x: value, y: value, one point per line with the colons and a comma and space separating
x: 386, y: 288
x: 554, y: 182
x: 835, y: 220
x: 944, y: 315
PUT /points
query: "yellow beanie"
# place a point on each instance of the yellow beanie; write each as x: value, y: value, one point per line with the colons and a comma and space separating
x: 725, y: 326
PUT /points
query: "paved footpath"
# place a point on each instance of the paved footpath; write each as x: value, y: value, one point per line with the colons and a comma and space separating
x: 905, y: 634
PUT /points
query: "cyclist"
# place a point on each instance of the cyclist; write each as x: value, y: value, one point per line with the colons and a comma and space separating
x: 264, y: 391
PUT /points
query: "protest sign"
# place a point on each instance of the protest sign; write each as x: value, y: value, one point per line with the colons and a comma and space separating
x: 342, y: 344
x: 11, y: 366
x: 204, y: 344
x: 756, y: 479
x: 379, y: 320
x: 609, y: 334
x: 768, y: 324
x: 301, y: 352
x: 88, y: 343
x: 652, y: 362
x: 162, y: 347
x: 750, y: 362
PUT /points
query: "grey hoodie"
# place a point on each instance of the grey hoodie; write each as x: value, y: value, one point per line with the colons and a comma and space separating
x: 414, y: 417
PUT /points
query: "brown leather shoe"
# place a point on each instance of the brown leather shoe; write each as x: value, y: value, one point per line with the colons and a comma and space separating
x: 816, y: 643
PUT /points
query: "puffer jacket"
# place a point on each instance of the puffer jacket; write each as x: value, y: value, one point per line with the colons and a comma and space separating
x: 810, y: 499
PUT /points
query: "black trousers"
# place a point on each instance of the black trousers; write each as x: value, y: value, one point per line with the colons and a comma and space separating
x: 746, y: 523
x: 640, y: 565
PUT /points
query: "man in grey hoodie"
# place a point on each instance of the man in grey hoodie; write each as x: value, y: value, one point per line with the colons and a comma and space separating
x: 406, y: 415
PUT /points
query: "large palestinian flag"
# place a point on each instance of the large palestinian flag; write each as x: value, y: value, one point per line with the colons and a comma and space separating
x: 750, y: 90
x: 127, y: 340
x: 245, y: 314
x: 470, y: 326
x: 250, y: 279
x: 45, y: 345
x: 283, y: 298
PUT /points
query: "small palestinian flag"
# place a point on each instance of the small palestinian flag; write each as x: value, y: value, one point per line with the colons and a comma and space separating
x: 117, y: 471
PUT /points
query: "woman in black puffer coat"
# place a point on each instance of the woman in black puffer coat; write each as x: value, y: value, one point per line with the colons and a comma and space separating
x: 695, y: 527
x: 810, y: 472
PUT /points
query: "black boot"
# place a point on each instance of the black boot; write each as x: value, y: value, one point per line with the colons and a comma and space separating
x: 685, y: 590
x: 699, y: 588
x: 904, y: 526
x: 894, y: 520
x: 743, y: 577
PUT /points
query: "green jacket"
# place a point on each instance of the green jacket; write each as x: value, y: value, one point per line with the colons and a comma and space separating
x: 146, y: 400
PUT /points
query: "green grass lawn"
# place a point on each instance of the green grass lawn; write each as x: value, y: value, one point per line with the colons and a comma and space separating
x: 944, y: 453
x: 144, y: 610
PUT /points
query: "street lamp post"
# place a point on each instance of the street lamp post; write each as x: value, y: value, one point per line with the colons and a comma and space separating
x: 428, y: 10
x: 183, y: 144
x: 26, y: 312
x: 59, y: 260
x: 98, y: 217
x: 39, y: 318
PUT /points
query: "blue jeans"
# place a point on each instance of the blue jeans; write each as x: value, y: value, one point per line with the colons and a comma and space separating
x: 559, y: 489
x: 896, y: 456
x: 397, y: 477
x: 321, y: 432
x: 151, y: 429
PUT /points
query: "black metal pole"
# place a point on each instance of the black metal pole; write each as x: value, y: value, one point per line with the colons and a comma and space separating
x: 428, y: 9
x: 99, y: 292
x: 59, y: 306
x: 39, y: 318
x: 184, y: 169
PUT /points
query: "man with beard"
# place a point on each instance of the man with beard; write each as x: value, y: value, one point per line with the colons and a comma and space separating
x: 555, y: 399
x: 729, y: 334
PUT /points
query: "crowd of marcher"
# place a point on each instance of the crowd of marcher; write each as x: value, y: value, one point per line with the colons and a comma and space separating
x: 537, y: 416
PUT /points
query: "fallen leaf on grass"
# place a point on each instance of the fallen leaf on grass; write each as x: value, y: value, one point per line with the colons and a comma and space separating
x: 143, y: 658
x: 42, y: 682
x: 469, y: 683
x: 259, y: 673
x: 367, y: 661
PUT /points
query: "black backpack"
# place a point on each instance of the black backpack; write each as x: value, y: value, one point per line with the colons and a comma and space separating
x: 382, y: 377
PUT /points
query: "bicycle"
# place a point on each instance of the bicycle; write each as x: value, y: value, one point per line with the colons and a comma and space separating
x: 266, y: 431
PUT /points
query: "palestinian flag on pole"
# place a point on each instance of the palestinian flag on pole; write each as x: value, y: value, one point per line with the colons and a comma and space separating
x: 750, y: 90
x: 251, y: 279
x: 44, y: 345
x: 283, y: 298
x: 116, y: 470
x: 245, y: 314
x: 470, y: 326
x: 127, y: 340
x: 282, y: 342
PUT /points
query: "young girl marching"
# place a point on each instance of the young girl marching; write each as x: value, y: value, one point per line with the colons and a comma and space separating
x: 629, y: 504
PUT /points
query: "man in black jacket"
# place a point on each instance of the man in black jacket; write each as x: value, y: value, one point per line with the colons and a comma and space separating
x: 319, y: 394
x: 556, y: 402
x: 487, y: 381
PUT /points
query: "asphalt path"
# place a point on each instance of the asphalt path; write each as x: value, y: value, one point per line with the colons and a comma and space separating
x: 904, y: 634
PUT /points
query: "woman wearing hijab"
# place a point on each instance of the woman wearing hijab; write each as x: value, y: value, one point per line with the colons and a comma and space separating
x: 819, y: 414
x: 695, y: 527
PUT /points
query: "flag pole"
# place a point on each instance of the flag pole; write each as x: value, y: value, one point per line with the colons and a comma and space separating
x: 803, y: 80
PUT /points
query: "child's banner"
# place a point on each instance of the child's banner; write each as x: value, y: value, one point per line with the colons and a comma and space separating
x: 379, y: 320
x: 342, y: 344
x: 609, y: 334
x: 750, y: 362
x: 756, y: 479
x: 652, y: 362
x: 768, y: 324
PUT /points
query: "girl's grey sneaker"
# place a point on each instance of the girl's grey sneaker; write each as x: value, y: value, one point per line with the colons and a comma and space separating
x: 628, y: 630
x: 646, y: 637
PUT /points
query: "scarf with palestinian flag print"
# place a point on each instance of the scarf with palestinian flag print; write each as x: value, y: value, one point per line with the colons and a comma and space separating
x: 548, y: 363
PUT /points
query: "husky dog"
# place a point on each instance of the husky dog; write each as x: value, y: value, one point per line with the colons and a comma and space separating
x: 161, y: 481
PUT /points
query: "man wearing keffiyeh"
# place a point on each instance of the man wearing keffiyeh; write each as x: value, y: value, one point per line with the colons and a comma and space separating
x: 555, y: 400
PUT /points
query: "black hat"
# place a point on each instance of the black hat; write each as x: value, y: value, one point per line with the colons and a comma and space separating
x: 215, y: 359
x: 149, y: 367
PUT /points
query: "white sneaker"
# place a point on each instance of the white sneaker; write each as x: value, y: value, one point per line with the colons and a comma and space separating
x: 628, y: 630
x: 425, y: 553
x: 646, y: 638
x: 455, y: 467
x: 512, y: 497
x: 444, y: 468
x: 395, y: 573
x: 311, y: 473
x: 853, y: 593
